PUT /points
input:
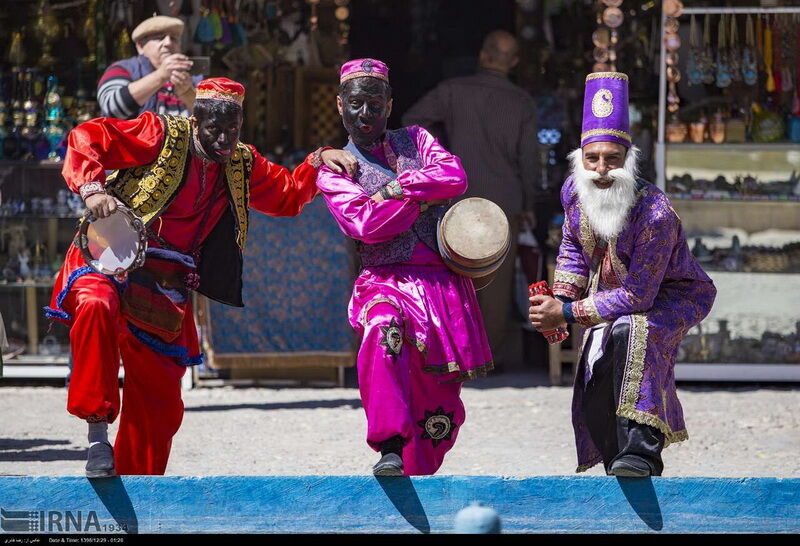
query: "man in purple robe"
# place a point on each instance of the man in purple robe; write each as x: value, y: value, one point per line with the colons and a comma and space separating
x: 420, y: 325
x: 625, y: 272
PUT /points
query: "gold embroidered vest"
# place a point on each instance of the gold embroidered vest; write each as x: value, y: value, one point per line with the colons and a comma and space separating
x: 149, y: 189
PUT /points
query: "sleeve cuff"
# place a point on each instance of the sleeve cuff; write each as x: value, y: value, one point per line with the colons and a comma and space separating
x: 569, y: 316
x: 395, y: 190
x: 129, y: 103
x: 585, y: 312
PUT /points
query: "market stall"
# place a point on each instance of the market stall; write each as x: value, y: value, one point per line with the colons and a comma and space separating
x: 729, y: 158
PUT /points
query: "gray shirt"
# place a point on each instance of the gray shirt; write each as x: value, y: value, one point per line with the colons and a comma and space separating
x: 491, y: 125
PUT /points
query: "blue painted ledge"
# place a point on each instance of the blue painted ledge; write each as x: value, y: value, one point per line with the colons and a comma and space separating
x: 363, y: 504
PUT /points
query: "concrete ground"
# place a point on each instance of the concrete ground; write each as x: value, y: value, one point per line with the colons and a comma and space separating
x: 510, y: 431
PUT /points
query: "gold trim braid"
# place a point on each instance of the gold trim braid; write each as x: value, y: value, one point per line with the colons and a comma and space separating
x: 570, y: 278
x: 632, y: 383
x: 587, y: 236
x: 147, y: 189
x: 237, y: 175
x: 616, y: 264
x: 606, y: 75
x: 612, y: 132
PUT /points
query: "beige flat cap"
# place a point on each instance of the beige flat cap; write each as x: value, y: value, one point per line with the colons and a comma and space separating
x: 158, y: 25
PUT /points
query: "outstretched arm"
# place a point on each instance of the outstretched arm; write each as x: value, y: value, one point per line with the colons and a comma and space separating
x: 277, y: 192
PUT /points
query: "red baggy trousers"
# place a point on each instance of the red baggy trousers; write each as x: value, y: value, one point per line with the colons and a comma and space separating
x: 152, y: 409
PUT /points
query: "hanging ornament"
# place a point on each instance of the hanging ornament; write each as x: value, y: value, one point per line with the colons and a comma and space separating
x: 749, y: 63
x: 204, y: 32
x: 672, y: 43
x: 708, y: 55
x: 723, y: 70
x: 342, y: 14
x: 605, y: 38
x: 216, y: 23
x: 314, y: 19
x: 734, y: 55
x: 770, y: 86
x: 693, y: 68
x: 788, y: 52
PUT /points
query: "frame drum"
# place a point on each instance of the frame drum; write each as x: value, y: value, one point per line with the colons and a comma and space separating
x: 115, y: 244
x: 474, y: 239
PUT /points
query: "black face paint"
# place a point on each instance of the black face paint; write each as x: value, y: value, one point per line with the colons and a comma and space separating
x: 365, y: 110
x: 218, y: 133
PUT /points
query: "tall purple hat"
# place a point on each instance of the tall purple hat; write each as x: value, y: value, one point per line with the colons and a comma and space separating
x: 605, y: 109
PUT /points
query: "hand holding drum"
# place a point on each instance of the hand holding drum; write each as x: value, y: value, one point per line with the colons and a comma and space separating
x: 112, y: 239
x: 101, y: 205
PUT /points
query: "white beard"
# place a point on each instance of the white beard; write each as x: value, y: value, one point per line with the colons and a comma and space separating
x: 606, y: 209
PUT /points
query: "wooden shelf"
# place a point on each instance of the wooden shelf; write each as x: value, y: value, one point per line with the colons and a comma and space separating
x: 752, y: 216
x: 734, y: 146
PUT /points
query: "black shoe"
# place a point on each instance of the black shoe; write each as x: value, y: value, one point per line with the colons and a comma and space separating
x: 630, y: 466
x: 390, y: 465
x: 100, y: 462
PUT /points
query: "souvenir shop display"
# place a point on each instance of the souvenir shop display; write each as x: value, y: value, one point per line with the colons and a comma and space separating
x: 730, y: 169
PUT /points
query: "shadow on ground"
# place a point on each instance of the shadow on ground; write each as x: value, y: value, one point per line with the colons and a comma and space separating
x: 642, y: 497
x: 14, y: 450
x: 353, y: 403
x: 400, y: 490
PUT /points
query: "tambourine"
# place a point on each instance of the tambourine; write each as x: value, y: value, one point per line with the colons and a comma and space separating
x: 113, y: 245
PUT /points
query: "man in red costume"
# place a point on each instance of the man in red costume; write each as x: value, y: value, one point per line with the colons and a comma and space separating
x: 191, y: 182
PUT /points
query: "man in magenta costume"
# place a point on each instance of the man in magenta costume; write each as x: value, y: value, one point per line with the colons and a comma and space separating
x: 420, y: 325
x: 625, y: 272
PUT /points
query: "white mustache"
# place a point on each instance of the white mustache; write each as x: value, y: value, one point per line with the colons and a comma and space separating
x: 606, y: 208
x: 613, y: 175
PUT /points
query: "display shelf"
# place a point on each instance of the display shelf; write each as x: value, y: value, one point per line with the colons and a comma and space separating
x: 739, y: 204
x: 752, y: 216
x: 27, y: 284
x: 39, y: 217
x: 735, y: 146
x: 768, y: 373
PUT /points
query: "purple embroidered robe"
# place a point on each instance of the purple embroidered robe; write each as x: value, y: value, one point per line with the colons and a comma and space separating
x: 648, y: 278
x: 401, y: 246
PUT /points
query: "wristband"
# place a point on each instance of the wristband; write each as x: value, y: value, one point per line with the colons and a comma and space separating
x: 90, y: 188
x: 569, y: 316
x: 394, y: 189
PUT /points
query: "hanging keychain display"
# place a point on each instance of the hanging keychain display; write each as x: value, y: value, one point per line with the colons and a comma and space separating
x: 788, y: 51
x: 723, y: 68
x: 672, y: 43
x: 749, y: 63
x: 734, y: 55
x: 694, y: 64
x: 708, y: 54
x: 770, y: 85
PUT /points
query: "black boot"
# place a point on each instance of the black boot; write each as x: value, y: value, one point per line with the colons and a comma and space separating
x: 630, y: 466
x: 100, y: 462
x: 391, y: 463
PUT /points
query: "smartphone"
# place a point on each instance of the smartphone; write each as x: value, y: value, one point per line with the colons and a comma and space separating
x: 200, y: 66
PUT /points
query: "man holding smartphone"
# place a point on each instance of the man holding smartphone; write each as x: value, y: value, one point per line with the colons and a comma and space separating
x: 157, y: 80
